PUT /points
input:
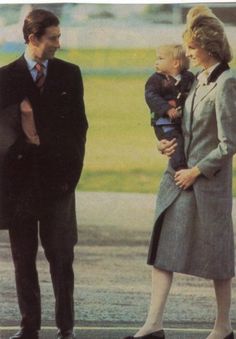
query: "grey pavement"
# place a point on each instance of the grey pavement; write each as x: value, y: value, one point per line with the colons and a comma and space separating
x: 112, y: 280
x: 114, y: 333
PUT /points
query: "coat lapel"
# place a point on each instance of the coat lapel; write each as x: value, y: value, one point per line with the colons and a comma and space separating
x: 201, y: 92
x: 52, y: 80
x: 23, y: 80
x: 189, y: 106
x: 195, y: 98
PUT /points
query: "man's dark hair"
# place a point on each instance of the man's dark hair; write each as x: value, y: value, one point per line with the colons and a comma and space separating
x: 37, y: 21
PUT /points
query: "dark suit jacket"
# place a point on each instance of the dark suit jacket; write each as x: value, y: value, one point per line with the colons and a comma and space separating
x: 60, y: 122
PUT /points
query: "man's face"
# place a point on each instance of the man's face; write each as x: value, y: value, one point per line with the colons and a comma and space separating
x: 46, y: 46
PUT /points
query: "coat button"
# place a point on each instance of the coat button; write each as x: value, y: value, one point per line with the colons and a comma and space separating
x: 19, y: 156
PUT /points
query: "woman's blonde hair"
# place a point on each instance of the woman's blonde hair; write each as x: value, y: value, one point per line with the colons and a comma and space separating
x: 177, y: 52
x: 196, y: 11
x: 207, y: 31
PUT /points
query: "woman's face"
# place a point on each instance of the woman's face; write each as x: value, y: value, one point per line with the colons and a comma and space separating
x: 198, y: 55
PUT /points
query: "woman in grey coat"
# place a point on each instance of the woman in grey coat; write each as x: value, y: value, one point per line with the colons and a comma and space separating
x: 193, y: 232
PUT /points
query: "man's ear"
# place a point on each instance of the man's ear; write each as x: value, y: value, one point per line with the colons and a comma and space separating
x: 33, y: 39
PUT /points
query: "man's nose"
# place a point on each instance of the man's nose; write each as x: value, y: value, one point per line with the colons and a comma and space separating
x: 57, y: 43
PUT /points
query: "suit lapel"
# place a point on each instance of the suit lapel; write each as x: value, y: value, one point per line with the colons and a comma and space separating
x: 201, y: 92
x: 22, y: 78
x: 52, y: 81
x: 189, y: 106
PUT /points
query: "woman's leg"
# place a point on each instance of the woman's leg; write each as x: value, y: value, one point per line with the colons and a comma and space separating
x: 222, y: 325
x: 161, y: 284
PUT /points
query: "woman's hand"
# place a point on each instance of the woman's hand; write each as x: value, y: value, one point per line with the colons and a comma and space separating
x: 186, y: 177
x: 167, y: 147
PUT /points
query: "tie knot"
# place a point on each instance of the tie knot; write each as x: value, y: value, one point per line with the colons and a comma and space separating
x: 40, y: 76
x: 39, y: 67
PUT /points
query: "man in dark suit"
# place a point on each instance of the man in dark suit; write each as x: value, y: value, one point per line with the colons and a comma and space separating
x: 41, y: 167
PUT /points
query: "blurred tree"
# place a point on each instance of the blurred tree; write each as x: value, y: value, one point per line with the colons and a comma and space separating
x: 10, y: 13
x: 102, y: 11
x: 153, y: 9
x: 56, y: 8
x: 158, y: 13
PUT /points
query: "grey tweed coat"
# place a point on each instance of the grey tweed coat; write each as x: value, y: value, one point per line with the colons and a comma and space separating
x: 193, y: 230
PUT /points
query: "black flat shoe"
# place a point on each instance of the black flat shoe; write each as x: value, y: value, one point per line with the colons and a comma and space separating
x: 66, y: 334
x: 155, y: 335
x: 230, y: 336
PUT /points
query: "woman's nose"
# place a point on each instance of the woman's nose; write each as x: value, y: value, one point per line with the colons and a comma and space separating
x: 187, y: 53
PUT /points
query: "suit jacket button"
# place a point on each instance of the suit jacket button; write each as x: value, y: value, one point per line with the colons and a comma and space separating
x: 19, y: 156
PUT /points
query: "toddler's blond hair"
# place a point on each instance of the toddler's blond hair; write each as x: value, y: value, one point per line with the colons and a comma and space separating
x: 177, y: 52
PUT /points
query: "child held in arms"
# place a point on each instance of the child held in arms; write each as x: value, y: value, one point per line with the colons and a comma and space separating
x: 165, y: 94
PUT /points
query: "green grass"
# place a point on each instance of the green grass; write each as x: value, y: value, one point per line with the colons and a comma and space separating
x: 121, y: 148
x: 121, y: 152
x: 102, y: 59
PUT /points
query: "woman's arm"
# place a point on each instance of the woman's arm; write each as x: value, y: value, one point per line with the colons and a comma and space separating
x: 225, y: 107
x: 183, y: 178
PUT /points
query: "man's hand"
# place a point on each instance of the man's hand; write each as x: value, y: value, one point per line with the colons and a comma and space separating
x: 25, y: 107
x: 167, y: 147
x: 27, y: 122
x: 186, y: 177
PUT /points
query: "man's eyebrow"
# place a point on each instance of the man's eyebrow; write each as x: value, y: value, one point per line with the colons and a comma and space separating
x: 54, y: 35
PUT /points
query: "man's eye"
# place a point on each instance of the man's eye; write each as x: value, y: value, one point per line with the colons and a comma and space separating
x: 54, y: 38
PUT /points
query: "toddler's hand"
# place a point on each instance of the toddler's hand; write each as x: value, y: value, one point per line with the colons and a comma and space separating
x: 172, y: 102
x: 172, y: 113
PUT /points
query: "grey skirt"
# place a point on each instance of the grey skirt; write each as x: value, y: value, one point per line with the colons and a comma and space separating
x: 181, y: 243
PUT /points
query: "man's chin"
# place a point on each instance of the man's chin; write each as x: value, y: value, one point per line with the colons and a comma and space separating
x: 49, y: 56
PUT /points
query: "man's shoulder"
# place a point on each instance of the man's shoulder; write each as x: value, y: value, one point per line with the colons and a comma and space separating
x: 11, y: 66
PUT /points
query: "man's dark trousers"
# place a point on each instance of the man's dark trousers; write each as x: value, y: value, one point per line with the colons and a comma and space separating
x: 55, y: 221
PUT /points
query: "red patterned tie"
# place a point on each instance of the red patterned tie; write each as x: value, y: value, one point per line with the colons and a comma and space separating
x: 40, y: 77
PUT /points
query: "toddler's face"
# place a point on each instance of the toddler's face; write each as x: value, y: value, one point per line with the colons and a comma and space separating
x: 164, y: 62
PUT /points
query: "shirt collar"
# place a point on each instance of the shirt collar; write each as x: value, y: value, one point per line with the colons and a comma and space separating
x: 211, y: 69
x: 31, y: 63
x: 204, y: 75
x: 177, y: 78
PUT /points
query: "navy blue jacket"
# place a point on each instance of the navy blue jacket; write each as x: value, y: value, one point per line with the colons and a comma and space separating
x: 159, y: 90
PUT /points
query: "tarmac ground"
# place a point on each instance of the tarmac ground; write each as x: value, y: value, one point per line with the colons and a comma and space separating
x: 114, y: 333
x: 112, y: 280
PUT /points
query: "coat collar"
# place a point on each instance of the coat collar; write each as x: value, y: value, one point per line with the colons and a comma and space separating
x: 217, y: 72
x: 205, y: 89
